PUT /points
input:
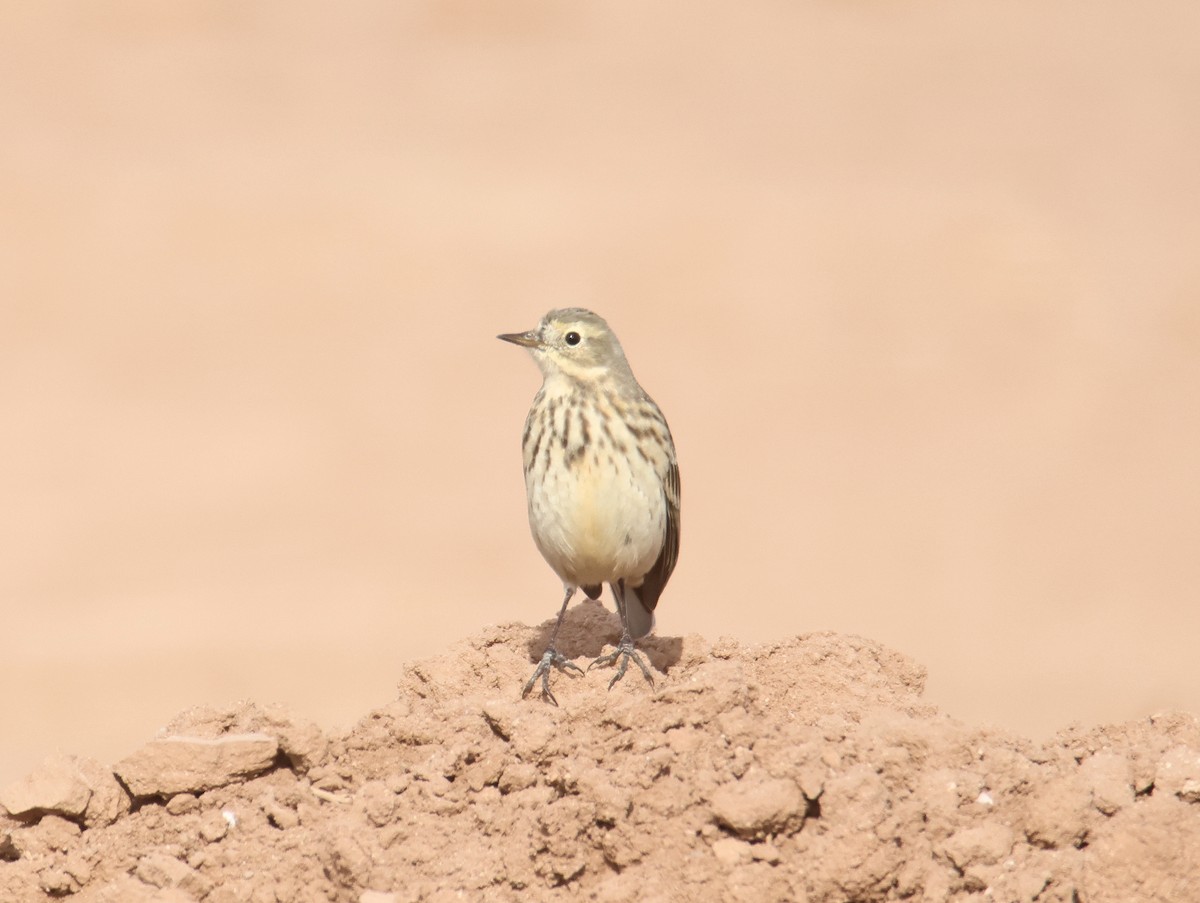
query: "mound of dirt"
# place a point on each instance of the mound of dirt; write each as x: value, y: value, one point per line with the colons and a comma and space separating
x: 805, y: 770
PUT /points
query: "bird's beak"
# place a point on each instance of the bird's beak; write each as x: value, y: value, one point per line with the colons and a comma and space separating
x: 527, y: 339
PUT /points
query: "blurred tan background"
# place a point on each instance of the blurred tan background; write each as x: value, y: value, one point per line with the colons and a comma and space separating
x: 917, y: 285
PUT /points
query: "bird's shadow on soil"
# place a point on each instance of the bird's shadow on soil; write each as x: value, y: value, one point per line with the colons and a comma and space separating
x: 589, y: 627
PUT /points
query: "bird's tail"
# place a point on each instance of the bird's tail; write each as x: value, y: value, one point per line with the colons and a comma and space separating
x: 638, y: 619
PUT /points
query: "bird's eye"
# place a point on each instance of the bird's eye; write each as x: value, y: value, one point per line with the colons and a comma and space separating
x: 572, y: 338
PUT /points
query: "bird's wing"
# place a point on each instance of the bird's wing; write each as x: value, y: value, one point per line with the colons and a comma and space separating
x: 658, y: 575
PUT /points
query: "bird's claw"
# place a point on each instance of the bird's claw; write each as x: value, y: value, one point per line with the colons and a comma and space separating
x: 625, y: 652
x: 551, y: 659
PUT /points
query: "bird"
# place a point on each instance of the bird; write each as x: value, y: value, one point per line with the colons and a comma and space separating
x: 601, y: 481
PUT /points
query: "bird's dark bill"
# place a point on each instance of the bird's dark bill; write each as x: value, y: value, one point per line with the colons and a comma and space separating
x: 527, y: 339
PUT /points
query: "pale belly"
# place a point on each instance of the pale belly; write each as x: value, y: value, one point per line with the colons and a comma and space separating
x: 596, y: 524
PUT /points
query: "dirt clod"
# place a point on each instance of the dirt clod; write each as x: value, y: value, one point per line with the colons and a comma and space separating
x: 808, y: 769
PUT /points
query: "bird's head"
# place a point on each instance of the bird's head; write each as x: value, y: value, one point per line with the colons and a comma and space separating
x: 575, y: 343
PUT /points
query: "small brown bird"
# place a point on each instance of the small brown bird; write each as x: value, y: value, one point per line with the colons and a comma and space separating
x: 601, y: 480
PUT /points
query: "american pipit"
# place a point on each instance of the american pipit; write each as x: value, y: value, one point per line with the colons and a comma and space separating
x: 601, y: 480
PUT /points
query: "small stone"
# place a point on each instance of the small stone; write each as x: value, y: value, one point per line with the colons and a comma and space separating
x: 303, y: 742
x: 501, y: 718
x: 730, y: 851
x: 78, y: 867
x: 127, y: 889
x: 377, y: 802
x: 812, y: 780
x: 213, y: 826
x: 398, y: 781
x: 328, y: 781
x: 279, y: 814
x: 182, y: 804
x: 986, y: 844
x: 436, y: 786
x: 54, y: 786
x: 755, y: 806
x: 529, y: 729
x: 348, y: 857
x: 484, y: 772
x: 161, y: 870
x: 1146, y: 852
x: 1110, y: 778
x: 194, y: 764
x: 164, y: 871
x: 1030, y: 883
x: 53, y: 832
x: 1055, y: 813
x: 72, y: 786
x: 517, y: 776
x: 1178, y: 773
x: 765, y: 852
x: 55, y: 881
x: 109, y: 800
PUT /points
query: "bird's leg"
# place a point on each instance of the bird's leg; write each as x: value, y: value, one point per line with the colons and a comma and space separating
x: 626, y: 651
x: 552, y: 658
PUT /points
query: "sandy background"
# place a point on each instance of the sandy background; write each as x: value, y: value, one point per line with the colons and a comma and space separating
x: 916, y: 285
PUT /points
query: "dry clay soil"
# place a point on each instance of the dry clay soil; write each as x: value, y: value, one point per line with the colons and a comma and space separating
x: 809, y: 769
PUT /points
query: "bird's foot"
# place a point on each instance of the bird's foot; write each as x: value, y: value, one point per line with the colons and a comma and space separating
x: 625, y: 653
x: 552, y: 658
